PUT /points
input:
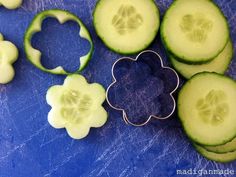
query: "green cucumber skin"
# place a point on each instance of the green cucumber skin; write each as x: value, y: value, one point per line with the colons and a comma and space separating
x: 28, y: 37
x: 224, y: 70
x: 119, y: 51
x: 195, y: 140
x: 216, y: 160
x: 181, y: 58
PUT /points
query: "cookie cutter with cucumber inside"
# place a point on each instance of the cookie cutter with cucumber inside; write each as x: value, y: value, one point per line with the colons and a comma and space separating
x: 143, y: 87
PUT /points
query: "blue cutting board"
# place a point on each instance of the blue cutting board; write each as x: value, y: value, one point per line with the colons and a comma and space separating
x: 30, y: 147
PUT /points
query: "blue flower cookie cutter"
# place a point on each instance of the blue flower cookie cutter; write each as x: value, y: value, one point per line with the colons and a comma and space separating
x: 143, y: 88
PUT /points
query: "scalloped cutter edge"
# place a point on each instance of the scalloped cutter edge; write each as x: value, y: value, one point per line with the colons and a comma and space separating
x: 125, y: 117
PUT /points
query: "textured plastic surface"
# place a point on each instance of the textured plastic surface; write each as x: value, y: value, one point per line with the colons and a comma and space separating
x: 30, y: 147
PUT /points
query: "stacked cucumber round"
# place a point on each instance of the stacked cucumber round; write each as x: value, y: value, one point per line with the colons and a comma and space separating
x: 206, y: 108
x: 196, y: 36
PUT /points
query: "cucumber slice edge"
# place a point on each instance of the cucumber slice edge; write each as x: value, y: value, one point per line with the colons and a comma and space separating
x: 222, y: 158
x: 224, y: 68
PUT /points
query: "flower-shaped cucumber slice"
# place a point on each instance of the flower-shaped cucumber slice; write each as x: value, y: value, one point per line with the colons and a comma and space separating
x: 11, y: 4
x: 143, y: 88
x: 8, y: 55
x: 76, y: 106
x: 34, y: 55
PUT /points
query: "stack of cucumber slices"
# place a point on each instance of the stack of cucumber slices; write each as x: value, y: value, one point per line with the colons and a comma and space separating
x: 206, y: 108
x: 196, y: 36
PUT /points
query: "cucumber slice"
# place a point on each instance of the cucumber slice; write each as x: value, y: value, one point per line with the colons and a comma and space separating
x: 195, y: 31
x: 76, y: 106
x: 218, y: 65
x: 8, y: 55
x: 223, y: 158
x: 228, y: 147
x: 206, y: 108
x: 11, y: 4
x: 126, y: 27
x: 34, y: 55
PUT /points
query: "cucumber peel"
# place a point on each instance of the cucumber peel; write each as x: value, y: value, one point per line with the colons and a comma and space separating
x: 34, y: 55
x: 76, y: 106
x: 8, y: 55
x: 11, y: 4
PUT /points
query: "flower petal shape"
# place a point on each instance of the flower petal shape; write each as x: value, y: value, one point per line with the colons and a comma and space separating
x: 76, y: 106
x: 8, y: 55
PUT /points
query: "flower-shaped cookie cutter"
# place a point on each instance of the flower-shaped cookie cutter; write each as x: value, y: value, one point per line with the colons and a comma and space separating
x: 150, y: 59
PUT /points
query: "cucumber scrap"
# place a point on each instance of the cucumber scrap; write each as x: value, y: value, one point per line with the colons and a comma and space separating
x: 194, y: 31
x: 34, y: 55
x: 126, y: 26
x: 223, y: 158
x: 8, y: 55
x: 206, y: 108
x: 11, y: 4
x: 76, y: 106
x: 218, y: 64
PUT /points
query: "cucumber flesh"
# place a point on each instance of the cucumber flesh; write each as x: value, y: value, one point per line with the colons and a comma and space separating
x: 76, y: 106
x: 8, y: 55
x: 228, y: 147
x: 126, y: 27
x: 223, y: 158
x: 34, y: 55
x: 206, y: 108
x: 195, y: 31
x: 218, y: 65
x: 11, y: 4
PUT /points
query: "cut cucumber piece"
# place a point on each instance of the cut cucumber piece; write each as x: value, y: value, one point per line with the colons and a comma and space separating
x: 8, y: 55
x: 11, y: 4
x: 228, y: 147
x: 195, y: 31
x: 218, y: 65
x: 206, y: 108
x: 76, y: 106
x: 126, y: 26
x: 223, y: 158
x: 34, y: 55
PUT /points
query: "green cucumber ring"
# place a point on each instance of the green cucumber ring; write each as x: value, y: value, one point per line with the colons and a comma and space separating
x: 34, y: 55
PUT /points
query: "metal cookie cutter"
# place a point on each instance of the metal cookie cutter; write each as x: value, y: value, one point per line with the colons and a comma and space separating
x: 143, y: 87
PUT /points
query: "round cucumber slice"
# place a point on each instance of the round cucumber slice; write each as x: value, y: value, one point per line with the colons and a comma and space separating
x: 34, y: 55
x: 126, y: 27
x: 218, y: 64
x: 206, y: 108
x: 228, y: 147
x: 195, y: 31
x: 223, y: 158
